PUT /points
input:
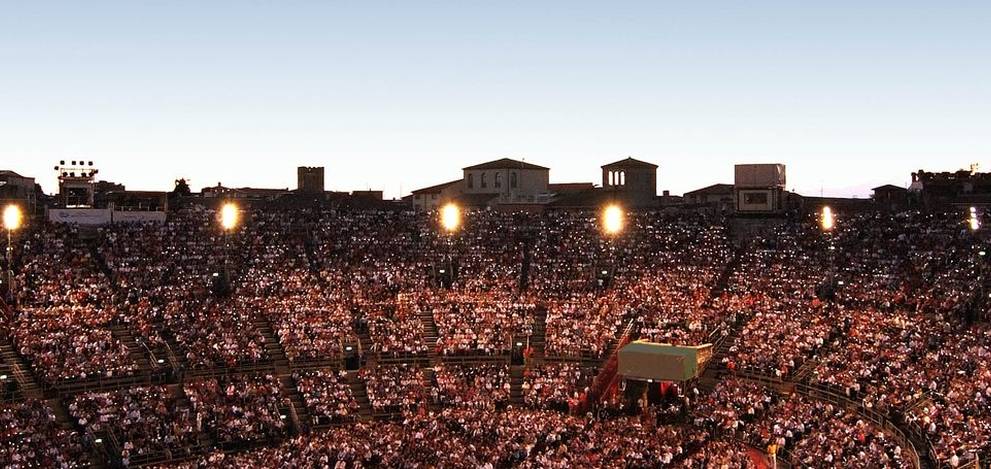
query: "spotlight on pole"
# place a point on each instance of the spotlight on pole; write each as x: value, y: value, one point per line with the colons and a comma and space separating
x: 11, y: 222
x: 450, y: 217
x: 827, y: 220
x: 975, y: 221
x: 12, y: 217
x: 613, y: 219
x: 450, y: 220
x: 229, y: 216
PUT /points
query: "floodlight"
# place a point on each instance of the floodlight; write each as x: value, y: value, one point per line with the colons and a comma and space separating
x: 827, y: 220
x: 12, y: 217
x: 450, y: 217
x: 229, y: 216
x: 613, y: 219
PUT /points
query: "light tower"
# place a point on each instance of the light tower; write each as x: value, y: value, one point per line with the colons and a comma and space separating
x: 974, y: 223
x: 826, y: 219
x: 450, y: 220
x: 450, y: 217
x: 827, y: 222
x: 12, y: 218
x: 229, y: 217
x: 612, y: 221
x: 75, y: 182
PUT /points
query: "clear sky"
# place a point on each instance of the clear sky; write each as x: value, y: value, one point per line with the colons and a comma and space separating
x: 400, y: 95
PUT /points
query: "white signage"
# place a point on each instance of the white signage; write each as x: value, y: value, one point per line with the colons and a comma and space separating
x: 101, y: 216
x: 139, y: 217
x: 80, y: 216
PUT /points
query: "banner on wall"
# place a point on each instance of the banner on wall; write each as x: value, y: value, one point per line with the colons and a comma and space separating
x: 101, y: 216
x: 80, y: 216
x: 139, y: 217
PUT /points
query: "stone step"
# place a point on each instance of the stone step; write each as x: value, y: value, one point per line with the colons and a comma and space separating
x: 62, y: 415
x: 516, y: 384
x: 360, y: 393
x: 292, y: 392
x: 137, y: 353
x: 273, y: 348
x: 27, y: 382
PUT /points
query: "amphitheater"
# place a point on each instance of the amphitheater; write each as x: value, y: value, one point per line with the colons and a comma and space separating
x: 322, y: 337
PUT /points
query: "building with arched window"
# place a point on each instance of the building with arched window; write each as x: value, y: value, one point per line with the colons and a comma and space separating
x: 18, y: 189
x: 517, y: 185
x: 508, y: 181
x: 631, y: 180
x: 430, y: 198
x: 505, y: 182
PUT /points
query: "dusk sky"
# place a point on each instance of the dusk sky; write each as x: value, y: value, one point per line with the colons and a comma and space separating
x: 401, y: 95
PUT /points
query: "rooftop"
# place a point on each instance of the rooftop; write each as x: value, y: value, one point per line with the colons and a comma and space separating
x: 630, y: 163
x: 713, y: 189
x: 507, y: 163
x: 9, y: 173
x: 889, y: 187
x: 436, y: 189
x: 570, y: 186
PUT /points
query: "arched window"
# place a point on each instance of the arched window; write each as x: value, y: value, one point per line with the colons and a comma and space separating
x: 512, y: 180
x: 471, y: 181
x: 498, y: 179
x: 485, y: 182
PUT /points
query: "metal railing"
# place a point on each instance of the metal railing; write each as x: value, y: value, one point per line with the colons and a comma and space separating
x: 873, y: 416
x: 828, y: 395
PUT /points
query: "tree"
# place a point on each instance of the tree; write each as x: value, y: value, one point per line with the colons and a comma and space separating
x: 181, y: 189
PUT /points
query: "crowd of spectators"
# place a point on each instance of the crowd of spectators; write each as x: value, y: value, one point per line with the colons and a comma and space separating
x: 145, y: 421
x: 584, y: 325
x: 556, y: 385
x: 395, y: 328
x: 481, y: 324
x: 173, y: 301
x: 781, y: 335
x: 371, y: 256
x: 886, y: 318
x: 881, y: 310
x: 479, y: 386
x: 219, y: 333
x: 365, y: 262
x: 238, y: 409
x: 66, y: 343
x: 877, y: 360
x: 724, y: 455
x: 661, y: 272
x: 30, y: 437
x: 327, y: 395
x: 66, y: 307
x: 667, y: 281
x: 955, y: 414
x: 491, y: 439
x: 809, y: 432
x: 674, y: 306
x: 394, y: 389
x: 308, y: 328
